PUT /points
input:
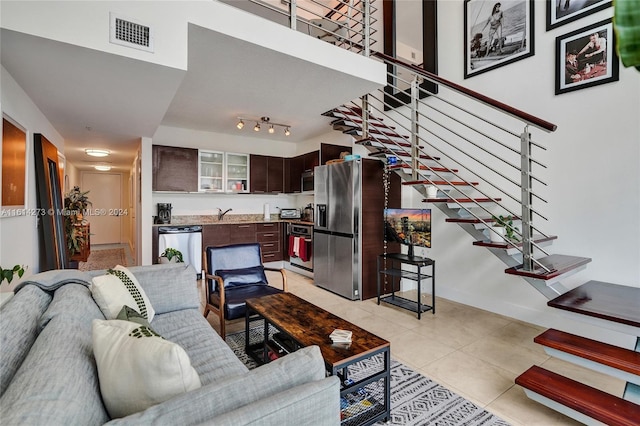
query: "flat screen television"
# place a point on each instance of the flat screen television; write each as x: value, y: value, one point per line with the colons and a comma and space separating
x: 411, y: 227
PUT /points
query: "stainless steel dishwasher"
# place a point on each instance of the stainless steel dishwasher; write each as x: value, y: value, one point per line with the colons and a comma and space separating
x: 187, y: 239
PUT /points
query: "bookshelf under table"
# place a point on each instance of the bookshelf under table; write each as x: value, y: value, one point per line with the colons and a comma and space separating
x: 299, y: 324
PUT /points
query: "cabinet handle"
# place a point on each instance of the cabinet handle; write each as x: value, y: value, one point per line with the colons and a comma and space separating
x: 269, y: 235
x: 268, y: 245
x: 244, y: 226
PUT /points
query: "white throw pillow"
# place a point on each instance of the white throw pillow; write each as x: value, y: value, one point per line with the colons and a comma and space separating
x: 120, y: 288
x: 137, y: 368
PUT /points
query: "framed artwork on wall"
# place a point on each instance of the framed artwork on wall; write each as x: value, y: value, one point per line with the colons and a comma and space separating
x: 586, y: 58
x: 560, y: 12
x: 497, y: 33
x: 14, y: 166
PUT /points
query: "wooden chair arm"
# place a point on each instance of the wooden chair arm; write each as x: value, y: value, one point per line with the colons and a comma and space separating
x: 220, y: 288
x: 285, y: 287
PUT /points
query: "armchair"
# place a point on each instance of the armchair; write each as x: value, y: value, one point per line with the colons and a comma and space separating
x: 233, y: 274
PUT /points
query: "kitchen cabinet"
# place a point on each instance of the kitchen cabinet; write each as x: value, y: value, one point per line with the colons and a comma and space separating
x: 270, y: 237
x: 267, y: 174
x: 332, y: 152
x: 211, y: 171
x: 310, y: 160
x: 294, y: 174
x: 174, y: 169
x: 236, y: 172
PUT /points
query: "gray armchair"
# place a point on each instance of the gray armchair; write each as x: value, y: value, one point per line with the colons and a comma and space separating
x: 235, y: 273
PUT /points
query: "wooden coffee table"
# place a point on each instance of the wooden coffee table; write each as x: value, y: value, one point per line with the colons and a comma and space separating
x: 302, y: 324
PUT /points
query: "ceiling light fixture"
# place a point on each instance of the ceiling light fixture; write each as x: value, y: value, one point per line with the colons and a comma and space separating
x: 97, y: 152
x: 102, y: 168
x: 263, y: 120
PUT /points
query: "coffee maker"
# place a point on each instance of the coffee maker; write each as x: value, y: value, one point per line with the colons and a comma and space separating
x: 164, y: 213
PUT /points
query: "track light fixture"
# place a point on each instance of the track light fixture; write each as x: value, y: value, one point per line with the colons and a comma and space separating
x: 263, y: 120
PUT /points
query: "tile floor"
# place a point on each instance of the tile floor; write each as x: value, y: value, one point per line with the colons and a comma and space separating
x: 475, y: 353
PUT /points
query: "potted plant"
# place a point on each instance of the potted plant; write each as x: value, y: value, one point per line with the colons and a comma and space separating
x: 76, y: 203
x: 7, y: 274
x: 502, y: 228
x: 171, y: 255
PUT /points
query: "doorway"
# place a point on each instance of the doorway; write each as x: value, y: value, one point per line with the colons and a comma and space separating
x: 105, y: 194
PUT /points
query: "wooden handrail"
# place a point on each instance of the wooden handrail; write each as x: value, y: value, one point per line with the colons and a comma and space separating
x: 514, y: 112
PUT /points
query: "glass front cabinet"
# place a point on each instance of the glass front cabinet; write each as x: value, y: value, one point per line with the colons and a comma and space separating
x: 223, y: 172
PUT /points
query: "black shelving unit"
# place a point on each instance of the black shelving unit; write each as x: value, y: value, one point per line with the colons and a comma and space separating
x: 393, y: 269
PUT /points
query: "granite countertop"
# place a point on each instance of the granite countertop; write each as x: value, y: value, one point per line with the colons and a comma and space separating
x: 227, y: 220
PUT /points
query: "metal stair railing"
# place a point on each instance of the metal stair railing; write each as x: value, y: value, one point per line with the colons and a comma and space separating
x: 445, y: 125
x: 347, y: 24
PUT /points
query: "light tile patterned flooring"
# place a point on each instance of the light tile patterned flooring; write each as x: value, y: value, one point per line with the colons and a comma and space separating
x: 475, y: 353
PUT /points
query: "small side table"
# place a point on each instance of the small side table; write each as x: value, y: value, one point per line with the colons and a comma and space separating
x: 394, y: 270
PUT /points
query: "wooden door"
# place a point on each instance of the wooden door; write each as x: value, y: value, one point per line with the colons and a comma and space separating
x: 51, y: 234
x: 105, y: 194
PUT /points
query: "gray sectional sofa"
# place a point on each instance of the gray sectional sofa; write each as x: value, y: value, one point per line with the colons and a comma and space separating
x: 48, y: 372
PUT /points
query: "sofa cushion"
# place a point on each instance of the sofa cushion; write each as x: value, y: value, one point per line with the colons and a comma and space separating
x: 210, y: 355
x: 118, y: 288
x: 137, y: 368
x: 57, y: 383
x: 20, y: 319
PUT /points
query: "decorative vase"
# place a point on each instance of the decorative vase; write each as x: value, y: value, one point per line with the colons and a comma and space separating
x: 497, y: 234
x: 432, y: 191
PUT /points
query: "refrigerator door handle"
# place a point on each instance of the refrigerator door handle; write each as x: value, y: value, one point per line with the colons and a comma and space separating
x: 322, y: 215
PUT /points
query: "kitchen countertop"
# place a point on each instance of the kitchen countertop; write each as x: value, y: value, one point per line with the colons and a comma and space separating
x: 228, y: 220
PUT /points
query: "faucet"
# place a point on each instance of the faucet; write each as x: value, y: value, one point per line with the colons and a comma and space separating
x: 222, y: 213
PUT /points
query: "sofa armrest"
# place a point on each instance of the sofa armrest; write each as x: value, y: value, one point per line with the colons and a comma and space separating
x: 208, y: 402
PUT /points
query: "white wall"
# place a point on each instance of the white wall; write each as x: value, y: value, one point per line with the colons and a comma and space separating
x: 593, y: 174
x: 18, y: 234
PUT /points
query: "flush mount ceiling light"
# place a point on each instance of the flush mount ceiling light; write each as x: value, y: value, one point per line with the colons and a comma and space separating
x: 97, y: 152
x: 263, y: 120
x: 102, y: 168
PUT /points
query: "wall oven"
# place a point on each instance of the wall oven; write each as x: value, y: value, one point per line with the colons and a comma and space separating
x: 300, y: 246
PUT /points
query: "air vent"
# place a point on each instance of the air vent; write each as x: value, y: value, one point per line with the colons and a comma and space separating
x: 127, y: 32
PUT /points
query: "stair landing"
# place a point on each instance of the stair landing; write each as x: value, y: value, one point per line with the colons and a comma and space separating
x: 607, y: 301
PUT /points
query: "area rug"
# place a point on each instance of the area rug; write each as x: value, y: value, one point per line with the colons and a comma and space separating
x: 104, y: 259
x: 415, y: 399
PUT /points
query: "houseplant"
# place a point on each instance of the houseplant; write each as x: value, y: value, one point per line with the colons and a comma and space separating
x: 171, y: 255
x: 7, y: 274
x: 76, y: 203
x: 502, y: 228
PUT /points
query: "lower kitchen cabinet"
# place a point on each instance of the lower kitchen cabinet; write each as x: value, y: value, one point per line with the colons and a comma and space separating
x: 269, y: 235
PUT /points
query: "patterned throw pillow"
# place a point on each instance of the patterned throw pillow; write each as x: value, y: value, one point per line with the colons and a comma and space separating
x: 118, y: 288
x: 137, y: 368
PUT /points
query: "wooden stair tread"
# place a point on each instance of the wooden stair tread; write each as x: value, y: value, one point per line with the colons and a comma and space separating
x: 398, y: 153
x: 589, y: 401
x: 349, y: 111
x: 602, y: 353
x: 557, y: 264
x: 423, y: 167
x: 440, y: 183
x: 461, y: 200
x: 376, y: 131
x: 357, y: 122
x: 536, y: 239
x: 472, y: 219
x: 598, y: 299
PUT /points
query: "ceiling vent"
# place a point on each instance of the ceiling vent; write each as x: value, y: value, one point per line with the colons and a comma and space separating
x: 127, y: 32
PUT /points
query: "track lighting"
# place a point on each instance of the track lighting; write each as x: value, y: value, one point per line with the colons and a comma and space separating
x: 263, y: 120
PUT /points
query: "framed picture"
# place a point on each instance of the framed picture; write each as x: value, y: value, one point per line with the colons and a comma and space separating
x: 497, y: 33
x: 560, y: 12
x: 586, y: 57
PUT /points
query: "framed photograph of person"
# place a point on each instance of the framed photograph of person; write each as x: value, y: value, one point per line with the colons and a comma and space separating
x: 586, y: 57
x: 497, y: 33
x: 560, y: 12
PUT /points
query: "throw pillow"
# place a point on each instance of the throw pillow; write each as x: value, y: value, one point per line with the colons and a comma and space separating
x: 129, y: 314
x: 251, y: 275
x: 118, y: 288
x: 137, y: 368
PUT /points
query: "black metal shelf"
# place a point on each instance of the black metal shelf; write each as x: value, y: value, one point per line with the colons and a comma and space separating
x: 395, y: 271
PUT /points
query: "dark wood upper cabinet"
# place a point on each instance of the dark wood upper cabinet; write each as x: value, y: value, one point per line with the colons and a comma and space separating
x: 175, y: 169
x: 332, y: 152
x: 267, y: 174
x: 310, y: 160
x: 294, y: 172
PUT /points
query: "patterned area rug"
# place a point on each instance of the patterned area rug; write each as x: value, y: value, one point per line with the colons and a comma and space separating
x: 104, y: 259
x: 415, y: 399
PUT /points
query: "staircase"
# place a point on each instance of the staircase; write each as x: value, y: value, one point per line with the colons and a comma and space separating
x: 423, y: 157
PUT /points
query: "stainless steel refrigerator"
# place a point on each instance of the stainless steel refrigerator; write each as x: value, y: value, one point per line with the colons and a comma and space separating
x: 337, y: 246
